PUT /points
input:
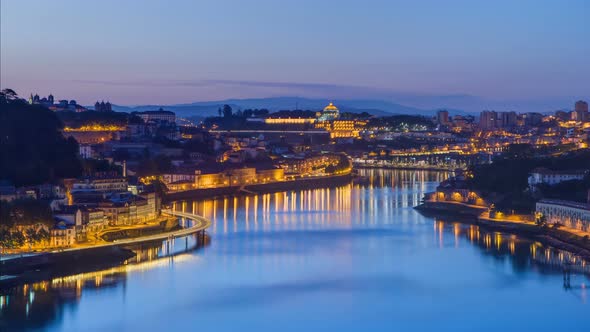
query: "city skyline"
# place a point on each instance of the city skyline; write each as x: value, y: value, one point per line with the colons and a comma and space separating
x: 294, y: 165
x: 521, y: 52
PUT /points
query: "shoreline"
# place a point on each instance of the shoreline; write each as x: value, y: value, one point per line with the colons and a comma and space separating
x: 555, y: 237
x: 410, y: 168
x: 14, y: 270
x: 263, y: 188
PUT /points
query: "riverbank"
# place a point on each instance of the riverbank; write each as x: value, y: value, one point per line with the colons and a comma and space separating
x: 410, y: 168
x: 572, y: 241
x: 452, y: 208
x: 263, y: 188
x: 35, y: 266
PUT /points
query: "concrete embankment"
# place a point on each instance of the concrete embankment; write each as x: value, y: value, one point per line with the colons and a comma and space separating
x: 555, y: 237
x: 409, y: 168
x: 263, y: 188
x: 451, y: 208
x: 469, y: 214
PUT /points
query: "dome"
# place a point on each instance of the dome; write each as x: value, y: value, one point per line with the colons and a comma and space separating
x: 329, y: 113
x: 331, y: 107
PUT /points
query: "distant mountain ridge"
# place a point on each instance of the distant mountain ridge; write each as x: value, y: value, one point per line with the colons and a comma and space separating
x: 210, y: 108
x: 404, y: 104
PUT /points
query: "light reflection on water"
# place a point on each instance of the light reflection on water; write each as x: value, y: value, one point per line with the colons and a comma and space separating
x: 357, y: 257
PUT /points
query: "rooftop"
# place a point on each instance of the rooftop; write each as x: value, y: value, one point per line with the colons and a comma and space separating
x: 546, y: 171
x: 330, y: 107
x: 577, y: 205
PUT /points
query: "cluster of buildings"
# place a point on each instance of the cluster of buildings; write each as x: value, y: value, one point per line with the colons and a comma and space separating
x: 570, y: 214
x: 82, y: 208
x: 231, y: 177
x: 141, y: 128
x: 327, y: 120
x: 288, y: 167
x: 574, y: 215
x: 283, y: 146
x: 493, y: 131
x: 67, y: 105
x: 490, y: 120
x: 61, y: 105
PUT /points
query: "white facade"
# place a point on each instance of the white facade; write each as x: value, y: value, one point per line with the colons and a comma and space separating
x: 546, y: 176
x: 62, y: 236
x: 175, y: 177
x: 164, y: 116
x: 101, y: 184
x: 85, y: 151
x: 570, y: 214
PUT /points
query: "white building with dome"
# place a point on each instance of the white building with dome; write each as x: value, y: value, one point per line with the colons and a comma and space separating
x: 330, y: 113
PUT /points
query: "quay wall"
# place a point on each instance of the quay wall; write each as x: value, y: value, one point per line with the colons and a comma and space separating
x: 263, y: 188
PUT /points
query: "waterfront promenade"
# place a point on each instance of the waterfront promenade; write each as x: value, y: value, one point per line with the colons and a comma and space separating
x: 565, y: 238
x: 200, y: 224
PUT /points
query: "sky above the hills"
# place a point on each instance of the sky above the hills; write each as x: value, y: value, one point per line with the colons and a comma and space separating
x: 163, y: 52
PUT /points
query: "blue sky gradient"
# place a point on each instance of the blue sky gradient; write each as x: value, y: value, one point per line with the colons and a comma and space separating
x: 138, y: 52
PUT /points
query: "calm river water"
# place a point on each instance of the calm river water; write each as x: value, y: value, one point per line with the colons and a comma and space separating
x: 354, y: 258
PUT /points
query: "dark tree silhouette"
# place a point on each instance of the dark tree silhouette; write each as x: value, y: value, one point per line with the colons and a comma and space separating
x: 32, y: 147
x: 227, y: 111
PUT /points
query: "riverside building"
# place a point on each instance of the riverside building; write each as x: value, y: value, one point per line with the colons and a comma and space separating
x: 570, y: 214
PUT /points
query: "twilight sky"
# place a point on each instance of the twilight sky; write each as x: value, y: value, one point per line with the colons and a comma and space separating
x: 139, y: 52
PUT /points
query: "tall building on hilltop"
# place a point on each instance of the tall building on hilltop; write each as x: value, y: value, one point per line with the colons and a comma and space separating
x: 580, y: 112
x: 329, y: 113
x: 160, y: 115
x: 488, y: 119
x: 103, y: 107
x: 62, y: 105
x: 497, y: 120
x: 45, y: 101
x: 442, y: 117
x: 507, y: 119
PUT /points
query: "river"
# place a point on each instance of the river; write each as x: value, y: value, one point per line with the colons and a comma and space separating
x: 353, y: 258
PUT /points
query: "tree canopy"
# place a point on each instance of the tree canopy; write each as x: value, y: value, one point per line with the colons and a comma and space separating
x: 32, y: 147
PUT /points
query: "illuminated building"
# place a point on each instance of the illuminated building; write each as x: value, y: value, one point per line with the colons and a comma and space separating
x: 329, y: 121
x: 63, y: 234
x: 570, y: 214
x: 157, y: 116
x: 83, y: 219
x: 100, y: 184
x: 289, y: 120
x: 94, y: 128
x: 342, y: 128
x: 232, y: 177
x: 92, y: 136
x: 179, y: 176
x: 329, y: 113
x: 129, y: 209
x: 309, y: 165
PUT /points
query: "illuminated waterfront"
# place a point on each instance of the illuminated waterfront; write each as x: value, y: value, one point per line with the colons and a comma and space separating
x: 356, y: 257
